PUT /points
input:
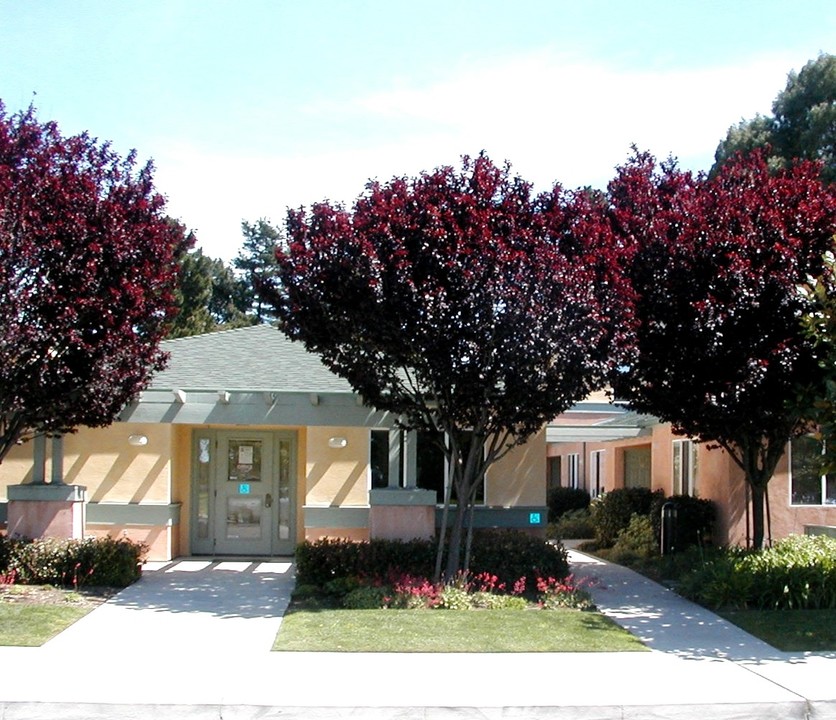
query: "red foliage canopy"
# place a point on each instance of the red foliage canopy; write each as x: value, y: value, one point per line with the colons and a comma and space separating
x: 459, y: 302
x: 87, y: 273
x: 456, y: 299
x: 719, y: 349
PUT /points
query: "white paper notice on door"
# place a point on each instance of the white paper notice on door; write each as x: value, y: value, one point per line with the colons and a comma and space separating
x: 245, y: 454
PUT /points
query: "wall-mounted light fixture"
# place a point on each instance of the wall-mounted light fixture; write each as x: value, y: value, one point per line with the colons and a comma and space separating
x: 337, y: 442
x: 137, y: 440
x: 179, y: 396
x: 223, y: 397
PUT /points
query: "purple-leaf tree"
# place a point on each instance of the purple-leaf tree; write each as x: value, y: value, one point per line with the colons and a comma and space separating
x: 87, y: 274
x: 719, y: 349
x: 460, y: 303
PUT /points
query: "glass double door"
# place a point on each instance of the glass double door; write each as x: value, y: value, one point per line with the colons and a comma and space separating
x: 249, y: 498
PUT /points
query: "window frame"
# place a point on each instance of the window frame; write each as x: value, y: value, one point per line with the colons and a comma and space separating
x: 684, y: 482
x: 823, y: 479
x: 573, y: 468
x: 404, y: 470
x: 596, y: 465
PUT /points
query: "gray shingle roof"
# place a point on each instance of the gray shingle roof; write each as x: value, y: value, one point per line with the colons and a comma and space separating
x: 259, y: 358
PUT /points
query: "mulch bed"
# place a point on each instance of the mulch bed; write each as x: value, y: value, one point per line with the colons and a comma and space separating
x: 49, y: 595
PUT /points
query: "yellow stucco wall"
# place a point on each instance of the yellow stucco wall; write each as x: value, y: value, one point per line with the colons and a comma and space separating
x: 102, y: 461
x: 114, y: 471
x: 520, y: 477
x: 336, y: 476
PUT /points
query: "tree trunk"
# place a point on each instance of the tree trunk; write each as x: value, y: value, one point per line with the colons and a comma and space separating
x: 758, y: 457
x: 758, y: 494
x: 454, y: 545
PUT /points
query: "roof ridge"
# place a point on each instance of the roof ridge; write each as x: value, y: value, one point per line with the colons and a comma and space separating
x: 223, y: 331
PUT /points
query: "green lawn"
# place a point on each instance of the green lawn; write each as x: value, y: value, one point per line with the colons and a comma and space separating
x: 31, y: 625
x: 789, y: 630
x: 452, y: 631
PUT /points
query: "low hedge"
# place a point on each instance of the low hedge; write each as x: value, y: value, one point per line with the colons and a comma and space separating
x: 328, y: 559
x: 508, y: 554
x: 612, y: 511
x: 103, y: 561
x: 798, y: 573
x: 565, y: 499
x: 572, y: 524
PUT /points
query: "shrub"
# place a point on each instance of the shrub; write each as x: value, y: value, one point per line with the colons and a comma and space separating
x: 367, y: 597
x: 93, y: 561
x: 8, y: 548
x: 572, y: 524
x: 611, y: 512
x: 453, y: 597
x: 565, y: 499
x: 798, y: 573
x: 321, y: 561
x: 565, y: 593
x: 512, y: 554
x: 695, y: 519
x: 507, y: 554
x: 635, y: 542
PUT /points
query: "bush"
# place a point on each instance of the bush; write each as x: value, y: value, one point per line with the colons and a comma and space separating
x: 507, y: 554
x: 512, y: 554
x: 368, y: 597
x: 319, y: 562
x: 572, y: 524
x: 564, y: 593
x: 565, y: 499
x: 798, y: 573
x: 611, y: 512
x: 636, y: 542
x: 93, y: 561
x: 694, y: 520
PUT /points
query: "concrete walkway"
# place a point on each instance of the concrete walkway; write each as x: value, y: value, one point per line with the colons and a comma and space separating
x: 192, y: 640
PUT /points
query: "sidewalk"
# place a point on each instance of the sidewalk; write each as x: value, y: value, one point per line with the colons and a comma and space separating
x: 192, y: 640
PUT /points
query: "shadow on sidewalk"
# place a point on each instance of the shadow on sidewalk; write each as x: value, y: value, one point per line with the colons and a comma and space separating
x: 221, y: 588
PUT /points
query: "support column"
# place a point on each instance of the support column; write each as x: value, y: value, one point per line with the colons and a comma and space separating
x: 39, y: 509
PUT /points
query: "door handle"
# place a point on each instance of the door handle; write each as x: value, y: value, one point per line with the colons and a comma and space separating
x: 268, y: 500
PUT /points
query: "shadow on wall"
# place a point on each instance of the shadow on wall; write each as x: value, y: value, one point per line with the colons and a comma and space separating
x: 516, y: 479
x: 733, y: 515
x: 112, y: 476
x: 340, y: 478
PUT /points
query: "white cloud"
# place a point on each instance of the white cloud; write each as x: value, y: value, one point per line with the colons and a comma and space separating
x: 554, y: 118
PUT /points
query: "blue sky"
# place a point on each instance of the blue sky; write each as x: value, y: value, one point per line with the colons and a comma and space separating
x: 250, y: 106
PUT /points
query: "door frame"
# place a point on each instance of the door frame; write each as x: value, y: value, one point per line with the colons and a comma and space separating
x: 207, y: 469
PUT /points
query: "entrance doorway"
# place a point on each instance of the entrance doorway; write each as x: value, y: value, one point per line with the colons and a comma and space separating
x: 243, y: 499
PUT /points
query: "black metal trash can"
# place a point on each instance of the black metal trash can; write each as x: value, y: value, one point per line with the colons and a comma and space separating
x: 668, y: 540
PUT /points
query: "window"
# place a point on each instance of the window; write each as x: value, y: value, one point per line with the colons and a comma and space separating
x: 553, y: 468
x: 684, y: 467
x: 808, y: 485
x: 637, y: 463
x: 379, y: 458
x: 426, y: 467
x: 431, y: 465
x: 596, y: 473
x: 572, y: 470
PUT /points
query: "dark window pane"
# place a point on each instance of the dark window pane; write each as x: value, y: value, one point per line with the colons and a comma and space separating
x: 379, y: 458
x: 430, y: 464
x: 806, y: 475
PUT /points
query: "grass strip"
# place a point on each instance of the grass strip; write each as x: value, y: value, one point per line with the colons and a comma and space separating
x: 789, y: 630
x: 31, y: 625
x: 467, y: 631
